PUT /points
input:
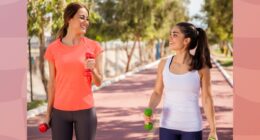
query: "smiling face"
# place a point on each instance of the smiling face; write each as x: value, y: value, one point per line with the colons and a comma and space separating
x: 80, y: 21
x: 177, y: 40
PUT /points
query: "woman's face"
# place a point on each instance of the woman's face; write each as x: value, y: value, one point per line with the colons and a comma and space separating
x: 177, y: 40
x: 80, y: 22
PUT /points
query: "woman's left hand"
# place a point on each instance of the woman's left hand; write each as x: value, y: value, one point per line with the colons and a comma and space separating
x: 213, y: 135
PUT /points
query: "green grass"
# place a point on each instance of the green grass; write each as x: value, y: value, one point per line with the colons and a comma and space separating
x: 34, y: 104
x: 225, y: 63
x: 218, y: 52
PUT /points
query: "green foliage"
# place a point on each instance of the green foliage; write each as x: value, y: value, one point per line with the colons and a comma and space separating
x: 34, y: 104
x: 111, y: 19
x: 36, y: 15
x: 129, y: 19
x: 226, y: 63
x: 218, y: 17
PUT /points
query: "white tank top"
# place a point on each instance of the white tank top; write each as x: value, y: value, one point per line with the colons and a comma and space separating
x: 181, y: 109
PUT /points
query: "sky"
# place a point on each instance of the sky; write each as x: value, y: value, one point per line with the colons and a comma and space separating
x: 194, y: 8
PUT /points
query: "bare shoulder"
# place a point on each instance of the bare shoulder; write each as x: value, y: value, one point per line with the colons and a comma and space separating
x: 205, y: 71
x: 162, y: 64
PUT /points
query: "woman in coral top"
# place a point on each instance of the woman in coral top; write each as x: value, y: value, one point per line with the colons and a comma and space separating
x: 70, y: 99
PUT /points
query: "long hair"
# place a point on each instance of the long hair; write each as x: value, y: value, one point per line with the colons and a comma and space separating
x: 199, y: 39
x: 69, y: 13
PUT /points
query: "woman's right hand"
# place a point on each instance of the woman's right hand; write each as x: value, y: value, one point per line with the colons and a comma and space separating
x: 47, y: 119
x: 147, y: 119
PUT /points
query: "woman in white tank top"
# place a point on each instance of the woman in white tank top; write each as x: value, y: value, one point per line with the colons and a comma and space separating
x: 181, y: 78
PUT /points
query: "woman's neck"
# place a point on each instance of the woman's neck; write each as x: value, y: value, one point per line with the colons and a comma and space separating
x: 183, y: 57
x: 71, y: 38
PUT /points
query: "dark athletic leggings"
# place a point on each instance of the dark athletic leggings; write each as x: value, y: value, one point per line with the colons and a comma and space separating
x: 83, y: 121
x: 169, y: 134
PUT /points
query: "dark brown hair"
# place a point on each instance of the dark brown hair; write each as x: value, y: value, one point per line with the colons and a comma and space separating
x: 199, y: 39
x: 69, y: 13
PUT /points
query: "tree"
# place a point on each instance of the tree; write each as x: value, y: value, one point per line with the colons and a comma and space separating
x: 137, y: 20
x: 166, y: 15
x: 37, y: 21
x: 218, y: 17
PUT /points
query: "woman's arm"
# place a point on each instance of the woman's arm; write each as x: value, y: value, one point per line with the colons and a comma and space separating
x: 98, y: 70
x: 51, y: 88
x: 207, y: 100
x: 158, y: 88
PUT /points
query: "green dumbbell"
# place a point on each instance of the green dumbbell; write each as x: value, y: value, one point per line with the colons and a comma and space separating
x: 148, y: 112
x: 211, y: 138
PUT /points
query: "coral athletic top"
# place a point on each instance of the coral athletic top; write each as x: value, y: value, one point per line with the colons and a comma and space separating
x: 72, y: 91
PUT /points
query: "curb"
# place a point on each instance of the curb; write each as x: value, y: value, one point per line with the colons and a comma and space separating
x: 224, y: 73
x: 43, y: 108
x: 36, y: 111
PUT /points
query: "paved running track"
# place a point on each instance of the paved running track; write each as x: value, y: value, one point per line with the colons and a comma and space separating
x: 120, y: 109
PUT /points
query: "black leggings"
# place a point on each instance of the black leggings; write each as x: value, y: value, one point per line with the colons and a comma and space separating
x: 84, y: 122
x: 170, y: 134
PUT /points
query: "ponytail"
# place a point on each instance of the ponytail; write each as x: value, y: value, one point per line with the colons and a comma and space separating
x: 201, y: 57
x: 63, y: 31
x: 199, y: 41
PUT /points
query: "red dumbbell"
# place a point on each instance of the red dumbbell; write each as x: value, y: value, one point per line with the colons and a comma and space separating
x: 43, y: 127
x: 88, y: 72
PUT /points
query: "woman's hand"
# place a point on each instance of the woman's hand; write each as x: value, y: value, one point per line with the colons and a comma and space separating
x: 90, y: 64
x: 147, y: 119
x: 47, y: 119
x: 213, y: 135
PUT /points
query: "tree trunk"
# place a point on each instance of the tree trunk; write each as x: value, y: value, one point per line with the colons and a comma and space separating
x: 221, y: 46
x: 162, y: 46
x: 226, y: 49
x: 129, y: 56
x: 41, y: 62
x: 140, y: 50
x: 149, y: 49
x: 230, y: 48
